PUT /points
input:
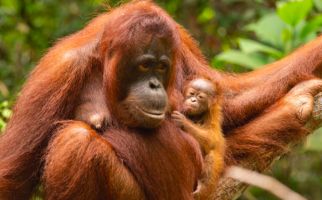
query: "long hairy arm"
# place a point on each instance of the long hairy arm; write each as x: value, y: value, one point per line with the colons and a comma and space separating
x: 49, y: 96
x: 259, y: 143
x: 247, y: 95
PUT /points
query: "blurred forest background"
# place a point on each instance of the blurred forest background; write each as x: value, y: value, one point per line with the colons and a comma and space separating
x: 235, y: 35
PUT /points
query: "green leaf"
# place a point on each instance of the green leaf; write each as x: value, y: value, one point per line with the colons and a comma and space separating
x: 172, y: 6
x: 294, y: 11
x: 251, y: 46
x: 269, y: 29
x: 217, y: 64
x: 6, y: 113
x: 241, y: 58
x: 287, y: 38
x: 2, y: 125
x: 314, y: 142
x: 312, y: 26
x: 206, y: 15
x: 4, y: 104
x: 318, y: 4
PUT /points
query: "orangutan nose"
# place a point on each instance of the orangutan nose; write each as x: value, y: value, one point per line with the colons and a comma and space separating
x: 154, y: 83
x: 193, y: 99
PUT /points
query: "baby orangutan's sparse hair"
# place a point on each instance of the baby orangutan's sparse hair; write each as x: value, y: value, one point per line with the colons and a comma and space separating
x: 199, y: 95
x: 202, y: 107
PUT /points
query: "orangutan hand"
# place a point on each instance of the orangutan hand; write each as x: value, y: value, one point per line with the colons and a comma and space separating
x: 306, y: 98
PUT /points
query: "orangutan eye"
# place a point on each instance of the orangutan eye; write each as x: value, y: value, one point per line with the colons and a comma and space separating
x: 161, y: 68
x: 143, y: 68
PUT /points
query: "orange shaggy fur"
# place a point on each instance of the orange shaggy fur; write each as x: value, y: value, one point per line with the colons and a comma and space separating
x: 35, y: 145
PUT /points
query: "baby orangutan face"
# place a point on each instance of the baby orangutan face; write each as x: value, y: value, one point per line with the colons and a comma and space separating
x: 198, y: 96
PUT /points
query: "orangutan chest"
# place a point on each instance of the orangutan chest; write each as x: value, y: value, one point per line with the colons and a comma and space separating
x: 164, y: 163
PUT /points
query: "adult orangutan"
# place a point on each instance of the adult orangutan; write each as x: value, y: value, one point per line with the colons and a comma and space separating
x: 140, y: 57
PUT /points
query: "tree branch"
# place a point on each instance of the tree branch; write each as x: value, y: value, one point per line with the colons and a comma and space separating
x: 262, y: 181
x: 229, y: 188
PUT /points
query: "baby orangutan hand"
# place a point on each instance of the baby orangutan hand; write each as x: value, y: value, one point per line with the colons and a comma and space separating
x: 179, y: 118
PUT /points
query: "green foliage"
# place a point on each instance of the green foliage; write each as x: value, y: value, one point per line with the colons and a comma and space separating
x: 29, y: 27
x: 293, y: 23
x: 262, y: 33
x: 240, y: 58
x: 293, y: 12
x: 206, y: 15
x: 318, y: 4
x: 314, y: 141
x: 5, y: 113
x: 278, y: 33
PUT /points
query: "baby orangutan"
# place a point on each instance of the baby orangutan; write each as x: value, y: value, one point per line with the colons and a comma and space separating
x: 203, y: 110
